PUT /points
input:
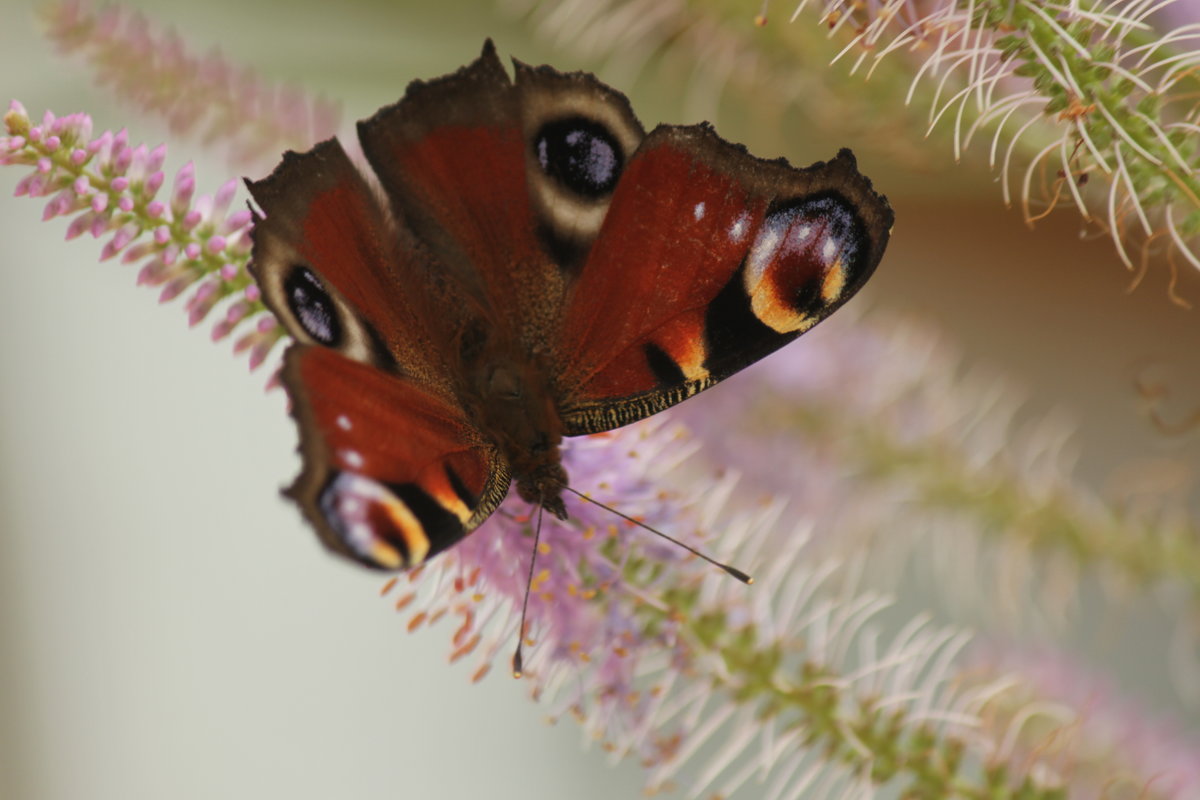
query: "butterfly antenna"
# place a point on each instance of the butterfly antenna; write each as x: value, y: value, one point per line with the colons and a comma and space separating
x: 734, y: 571
x: 517, y: 662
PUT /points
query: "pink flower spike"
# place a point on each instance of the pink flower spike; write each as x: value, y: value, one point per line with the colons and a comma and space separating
x: 120, y: 183
x: 192, y: 251
x: 162, y: 235
x: 155, y: 209
x: 215, y: 244
x: 44, y: 165
x: 154, y: 183
x: 82, y: 186
x: 253, y: 293
x: 99, y: 202
x: 53, y: 143
x: 155, y: 159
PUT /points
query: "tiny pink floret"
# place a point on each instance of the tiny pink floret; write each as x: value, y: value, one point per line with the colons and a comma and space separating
x: 53, y: 143
x: 99, y: 202
x: 155, y: 160
x: 120, y: 183
x: 162, y: 234
x: 44, y: 165
x: 79, y: 225
x: 82, y: 186
x: 155, y: 209
x: 253, y: 293
x: 229, y: 272
x: 237, y: 220
x: 155, y: 182
x: 192, y: 251
x: 215, y: 244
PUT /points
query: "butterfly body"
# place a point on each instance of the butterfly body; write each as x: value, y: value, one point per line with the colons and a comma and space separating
x: 531, y: 265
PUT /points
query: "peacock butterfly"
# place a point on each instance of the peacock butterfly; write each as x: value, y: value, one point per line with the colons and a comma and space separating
x: 526, y: 263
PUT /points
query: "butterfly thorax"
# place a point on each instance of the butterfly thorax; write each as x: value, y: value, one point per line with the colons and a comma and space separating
x: 515, y: 407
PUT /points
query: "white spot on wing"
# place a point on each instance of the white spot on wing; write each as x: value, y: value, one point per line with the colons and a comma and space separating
x: 830, y: 249
x: 737, y: 231
x: 698, y: 211
x: 351, y: 458
x: 343, y: 422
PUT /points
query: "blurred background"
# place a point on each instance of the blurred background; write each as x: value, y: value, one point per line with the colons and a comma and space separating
x: 168, y: 625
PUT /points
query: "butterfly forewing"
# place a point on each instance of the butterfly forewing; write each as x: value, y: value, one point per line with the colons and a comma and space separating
x: 735, y: 257
x: 338, y: 272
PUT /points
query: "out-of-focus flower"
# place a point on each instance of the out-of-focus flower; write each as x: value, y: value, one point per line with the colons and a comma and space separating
x: 111, y: 189
x: 226, y: 106
x: 1060, y: 710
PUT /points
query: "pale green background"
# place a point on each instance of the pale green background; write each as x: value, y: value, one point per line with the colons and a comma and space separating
x: 168, y: 626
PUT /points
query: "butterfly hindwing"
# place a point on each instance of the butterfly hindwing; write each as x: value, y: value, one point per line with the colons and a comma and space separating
x: 736, y: 256
x: 393, y: 474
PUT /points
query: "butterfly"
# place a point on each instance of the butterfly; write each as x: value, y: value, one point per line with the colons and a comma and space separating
x: 525, y: 263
